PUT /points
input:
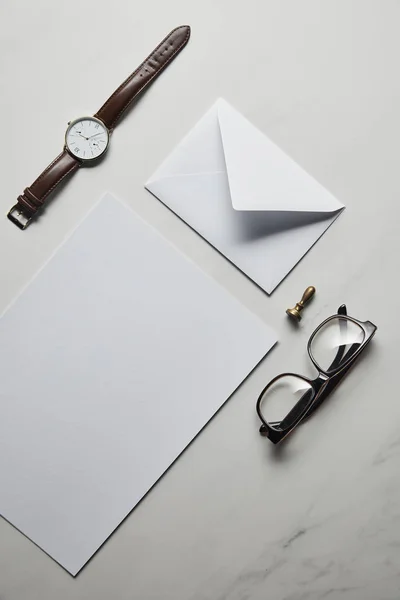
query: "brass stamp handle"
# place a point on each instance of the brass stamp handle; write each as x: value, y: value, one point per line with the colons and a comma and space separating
x: 295, y: 312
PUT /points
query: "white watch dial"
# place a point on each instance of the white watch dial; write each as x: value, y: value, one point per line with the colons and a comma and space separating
x: 87, y: 138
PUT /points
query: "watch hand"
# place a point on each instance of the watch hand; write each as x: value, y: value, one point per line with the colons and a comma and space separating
x: 100, y: 132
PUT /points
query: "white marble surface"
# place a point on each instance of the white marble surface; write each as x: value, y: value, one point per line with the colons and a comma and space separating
x: 234, y: 518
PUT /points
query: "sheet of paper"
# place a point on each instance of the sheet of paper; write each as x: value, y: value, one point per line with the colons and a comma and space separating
x: 244, y: 195
x: 111, y: 361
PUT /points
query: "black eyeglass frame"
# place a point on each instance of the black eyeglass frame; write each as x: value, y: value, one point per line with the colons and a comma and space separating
x: 320, y: 387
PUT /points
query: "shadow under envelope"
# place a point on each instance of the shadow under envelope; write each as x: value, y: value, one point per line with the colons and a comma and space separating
x: 255, y: 224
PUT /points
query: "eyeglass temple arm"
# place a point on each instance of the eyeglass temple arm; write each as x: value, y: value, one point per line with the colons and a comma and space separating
x: 336, y: 379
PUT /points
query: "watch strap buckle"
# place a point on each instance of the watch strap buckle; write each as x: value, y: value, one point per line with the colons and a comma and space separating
x: 19, y: 217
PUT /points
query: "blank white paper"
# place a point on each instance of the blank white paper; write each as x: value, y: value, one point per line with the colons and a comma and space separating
x: 111, y: 361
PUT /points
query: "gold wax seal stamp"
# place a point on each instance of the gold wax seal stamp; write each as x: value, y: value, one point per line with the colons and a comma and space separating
x: 295, y: 312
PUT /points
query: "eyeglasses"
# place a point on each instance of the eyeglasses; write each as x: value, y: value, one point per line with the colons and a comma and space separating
x: 333, y: 348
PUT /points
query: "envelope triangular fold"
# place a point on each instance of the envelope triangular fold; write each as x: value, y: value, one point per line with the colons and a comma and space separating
x: 261, y: 176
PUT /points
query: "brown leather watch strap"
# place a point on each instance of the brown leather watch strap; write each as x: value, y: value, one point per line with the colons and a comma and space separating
x: 113, y: 109
x: 34, y: 196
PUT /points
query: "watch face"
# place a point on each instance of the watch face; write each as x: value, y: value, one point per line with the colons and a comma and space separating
x: 87, y: 138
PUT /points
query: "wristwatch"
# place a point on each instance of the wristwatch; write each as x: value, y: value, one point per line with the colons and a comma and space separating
x: 87, y: 138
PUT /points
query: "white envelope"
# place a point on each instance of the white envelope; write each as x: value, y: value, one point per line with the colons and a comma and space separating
x: 244, y: 195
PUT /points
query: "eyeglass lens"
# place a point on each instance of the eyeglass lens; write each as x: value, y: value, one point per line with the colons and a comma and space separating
x: 280, y: 398
x: 335, y: 343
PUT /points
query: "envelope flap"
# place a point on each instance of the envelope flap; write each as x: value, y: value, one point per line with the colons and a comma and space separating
x: 199, y: 152
x: 261, y: 176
